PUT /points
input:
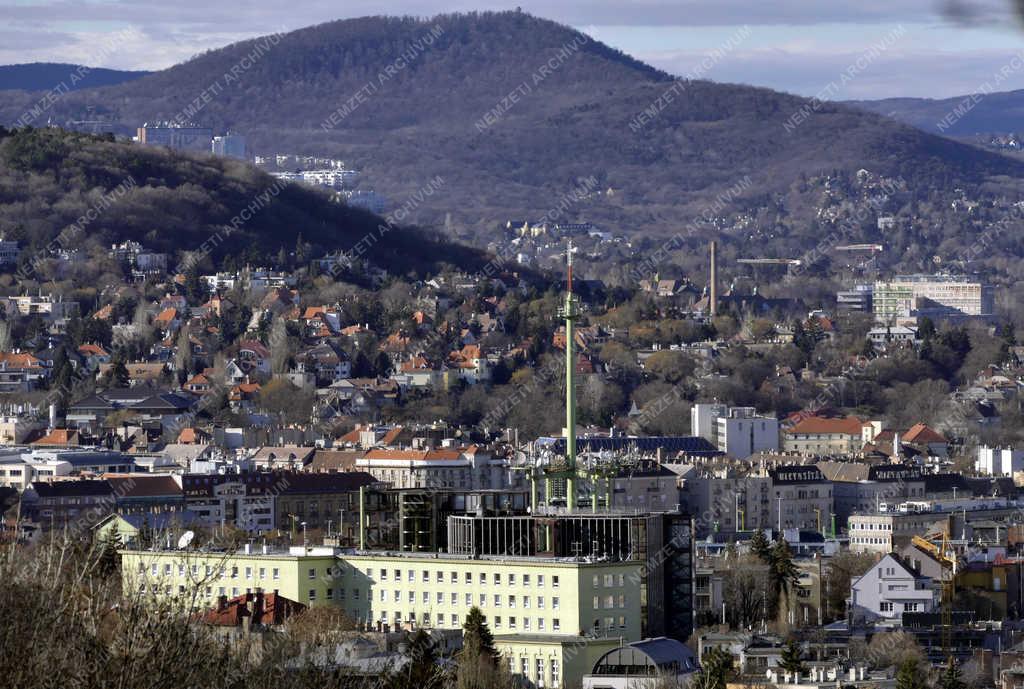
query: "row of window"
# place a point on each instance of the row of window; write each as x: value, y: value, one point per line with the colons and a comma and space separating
x: 510, y: 600
x: 540, y: 675
x: 453, y: 578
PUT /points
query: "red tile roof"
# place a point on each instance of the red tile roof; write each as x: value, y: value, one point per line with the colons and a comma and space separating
x: 921, y: 433
x: 850, y: 425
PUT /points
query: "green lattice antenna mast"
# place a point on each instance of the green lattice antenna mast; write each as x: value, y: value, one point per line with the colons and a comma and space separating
x: 570, y: 311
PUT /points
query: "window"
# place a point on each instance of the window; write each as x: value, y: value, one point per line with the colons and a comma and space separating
x: 355, y: 594
x: 556, y: 624
x: 526, y: 624
x: 411, y: 575
x: 469, y: 578
x: 497, y: 620
x: 248, y: 572
x: 497, y: 579
x: 609, y: 580
x: 426, y: 597
x: 596, y: 602
x: 483, y: 578
x: 469, y: 600
x: 167, y: 570
x: 554, y: 603
x: 596, y: 581
x: 483, y: 600
x: 511, y: 579
x: 540, y: 672
x: 440, y: 577
x: 181, y: 570
x: 312, y: 573
x: 453, y: 577
x: 383, y: 596
x: 526, y: 601
x: 330, y: 594
x: 540, y: 624
x: 440, y: 597
x: 524, y: 665
x: 497, y: 600
x: 312, y: 595
x: 885, y: 607
x: 276, y: 573
x: 554, y: 673
x: 511, y: 601
x: 526, y: 580
x: 397, y: 596
x: 383, y: 575
x: 622, y: 601
x: 455, y: 620
x: 263, y: 572
x: 540, y: 580
x: 554, y: 580
x: 622, y: 622
x: 426, y: 576
x: 609, y: 602
x: 412, y: 596
x: 540, y: 601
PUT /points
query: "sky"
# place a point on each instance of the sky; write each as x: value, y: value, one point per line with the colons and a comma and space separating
x: 834, y: 49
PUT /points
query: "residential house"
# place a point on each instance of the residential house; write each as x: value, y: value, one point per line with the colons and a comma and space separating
x: 469, y: 364
x: 20, y: 371
x: 887, y: 590
x: 289, y: 457
x: 93, y: 356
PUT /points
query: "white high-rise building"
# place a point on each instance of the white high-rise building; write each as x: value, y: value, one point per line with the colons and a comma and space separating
x: 999, y: 461
x: 736, y: 431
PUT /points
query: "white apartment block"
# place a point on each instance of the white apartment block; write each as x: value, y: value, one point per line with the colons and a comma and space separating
x: 737, y: 431
x: 936, y: 296
x: 999, y: 461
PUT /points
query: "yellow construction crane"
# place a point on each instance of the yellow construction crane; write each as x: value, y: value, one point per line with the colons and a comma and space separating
x: 944, y: 554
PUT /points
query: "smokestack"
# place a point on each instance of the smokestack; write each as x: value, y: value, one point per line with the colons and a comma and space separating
x: 713, y: 291
x: 53, y: 416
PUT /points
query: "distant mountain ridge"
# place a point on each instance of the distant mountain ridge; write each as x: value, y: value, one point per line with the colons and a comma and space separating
x: 980, y: 113
x: 556, y: 107
x: 43, y: 76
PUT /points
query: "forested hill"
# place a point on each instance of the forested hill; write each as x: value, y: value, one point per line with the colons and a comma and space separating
x: 176, y: 203
x: 513, y: 111
x: 43, y: 76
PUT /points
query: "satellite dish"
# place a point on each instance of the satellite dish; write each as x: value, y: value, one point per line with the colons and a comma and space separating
x: 186, y: 539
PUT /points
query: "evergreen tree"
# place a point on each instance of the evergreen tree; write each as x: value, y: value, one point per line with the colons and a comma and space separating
x: 910, y: 676
x: 119, y: 377
x: 422, y: 671
x: 715, y: 667
x: 784, y: 571
x: 107, y: 559
x: 760, y: 546
x: 477, y: 640
x: 951, y: 676
x: 926, y: 331
x: 792, y: 658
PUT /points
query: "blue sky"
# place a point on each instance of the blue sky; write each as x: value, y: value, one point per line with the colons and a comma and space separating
x: 935, y: 48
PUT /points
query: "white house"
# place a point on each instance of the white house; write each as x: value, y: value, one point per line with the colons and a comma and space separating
x: 889, y: 589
